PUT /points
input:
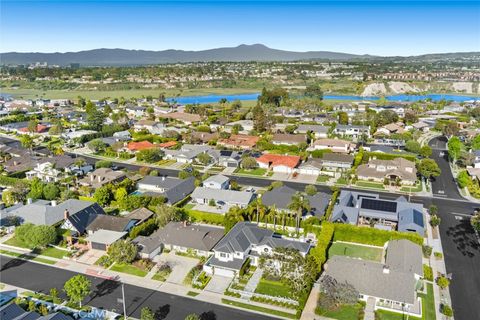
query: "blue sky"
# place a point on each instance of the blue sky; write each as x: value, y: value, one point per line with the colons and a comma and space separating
x: 362, y: 27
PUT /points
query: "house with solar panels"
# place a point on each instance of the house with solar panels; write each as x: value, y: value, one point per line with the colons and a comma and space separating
x: 361, y: 208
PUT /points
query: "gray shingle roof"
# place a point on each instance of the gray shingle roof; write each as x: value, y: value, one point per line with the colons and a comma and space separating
x: 241, y: 237
x: 42, y: 212
x: 227, y: 196
x: 273, y: 242
x: 369, y: 278
x: 281, y: 198
x: 175, y: 189
x: 404, y: 255
x: 105, y: 236
x: 218, y: 178
x: 193, y: 236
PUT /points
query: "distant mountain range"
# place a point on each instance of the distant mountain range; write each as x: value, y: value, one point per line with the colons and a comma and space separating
x: 255, y: 52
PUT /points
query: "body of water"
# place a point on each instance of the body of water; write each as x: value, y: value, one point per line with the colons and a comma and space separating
x: 396, y: 98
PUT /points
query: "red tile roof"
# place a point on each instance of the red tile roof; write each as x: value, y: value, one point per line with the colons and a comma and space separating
x: 240, y: 140
x: 167, y: 144
x: 279, y: 160
x: 142, y: 145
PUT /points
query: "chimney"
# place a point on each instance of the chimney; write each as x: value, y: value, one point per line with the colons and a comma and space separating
x: 386, y: 269
x: 66, y: 214
x: 99, y: 178
x: 92, y: 178
x: 53, y: 203
x: 163, y: 178
x: 185, y: 223
x: 29, y: 201
x: 14, y: 162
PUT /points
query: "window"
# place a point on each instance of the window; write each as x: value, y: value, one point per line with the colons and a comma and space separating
x: 223, y: 255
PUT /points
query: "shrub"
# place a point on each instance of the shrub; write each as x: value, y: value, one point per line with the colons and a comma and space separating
x: 351, y: 233
x: 443, y: 282
x: 324, y: 237
x: 438, y: 255
x: 427, y: 272
x: 446, y: 310
x: 244, y: 267
x: 103, y: 164
x: 427, y: 251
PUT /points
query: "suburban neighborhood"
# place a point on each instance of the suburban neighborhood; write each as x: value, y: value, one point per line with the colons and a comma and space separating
x: 238, y: 182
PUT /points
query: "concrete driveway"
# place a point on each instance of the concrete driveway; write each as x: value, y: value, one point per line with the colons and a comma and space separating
x: 91, y: 256
x: 180, y: 266
x: 218, y: 284
x: 305, y: 178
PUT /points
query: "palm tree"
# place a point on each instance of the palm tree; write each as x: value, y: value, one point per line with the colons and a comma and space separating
x: 299, y: 203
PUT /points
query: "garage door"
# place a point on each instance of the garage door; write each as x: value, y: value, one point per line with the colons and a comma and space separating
x: 224, y: 272
x: 99, y: 246
x: 232, y: 164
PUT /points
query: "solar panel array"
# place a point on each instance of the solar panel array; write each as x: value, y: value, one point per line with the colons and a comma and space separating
x: 379, y: 205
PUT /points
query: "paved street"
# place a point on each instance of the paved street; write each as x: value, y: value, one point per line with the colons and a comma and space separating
x: 462, y: 252
x: 106, y: 292
x: 444, y: 185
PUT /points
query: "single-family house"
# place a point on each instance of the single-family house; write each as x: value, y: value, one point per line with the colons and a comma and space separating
x: 217, y: 182
x: 181, y: 237
x: 352, y: 131
x: 239, y: 141
x: 281, y: 198
x: 230, y: 159
x: 389, y: 129
x: 288, y: 139
x: 421, y: 126
x: 318, y: 131
x: 335, y: 145
x: 398, y: 170
x: 278, y: 162
x: 392, y: 285
x: 101, y: 177
x: 368, y: 209
x: 337, y: 161
x: 222, y: 198
x: 187, y: 153
x: 246, y: 241
x: 173, y: 189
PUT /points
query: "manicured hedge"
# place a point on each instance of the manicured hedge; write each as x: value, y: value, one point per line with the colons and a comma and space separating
x: 390, y: 156
x: 200, y: 216
x: 331, y: 205
x: 324, y: 237
x: 11, y: 181
x: 371, y: 236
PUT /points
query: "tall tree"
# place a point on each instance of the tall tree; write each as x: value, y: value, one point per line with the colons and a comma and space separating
x: 455, y: 147
x: 299, y: 203
x: 428, y: 168
x: 77, y: 288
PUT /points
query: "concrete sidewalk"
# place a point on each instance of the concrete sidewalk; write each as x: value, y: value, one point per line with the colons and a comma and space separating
x: 438, y: 267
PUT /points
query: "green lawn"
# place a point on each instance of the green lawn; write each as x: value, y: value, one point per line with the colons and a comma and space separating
x: 356, y: 251
x: 27, y: 257
x: 322, y: 178
x: 51, y: 252
x: 368, y: 184
x: 389, y: 315
x: 341, y: 181
x: 252, y: 172
x: 273, y: 288
x: 416, y: 188
x: 15, y: 242
x: 206, y: 217
x: 127, y: 268
x: 345, y: 312
x: 165, y: 162
x: 161, y: 275
x: 428, y: 303
x: 258, y: 308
